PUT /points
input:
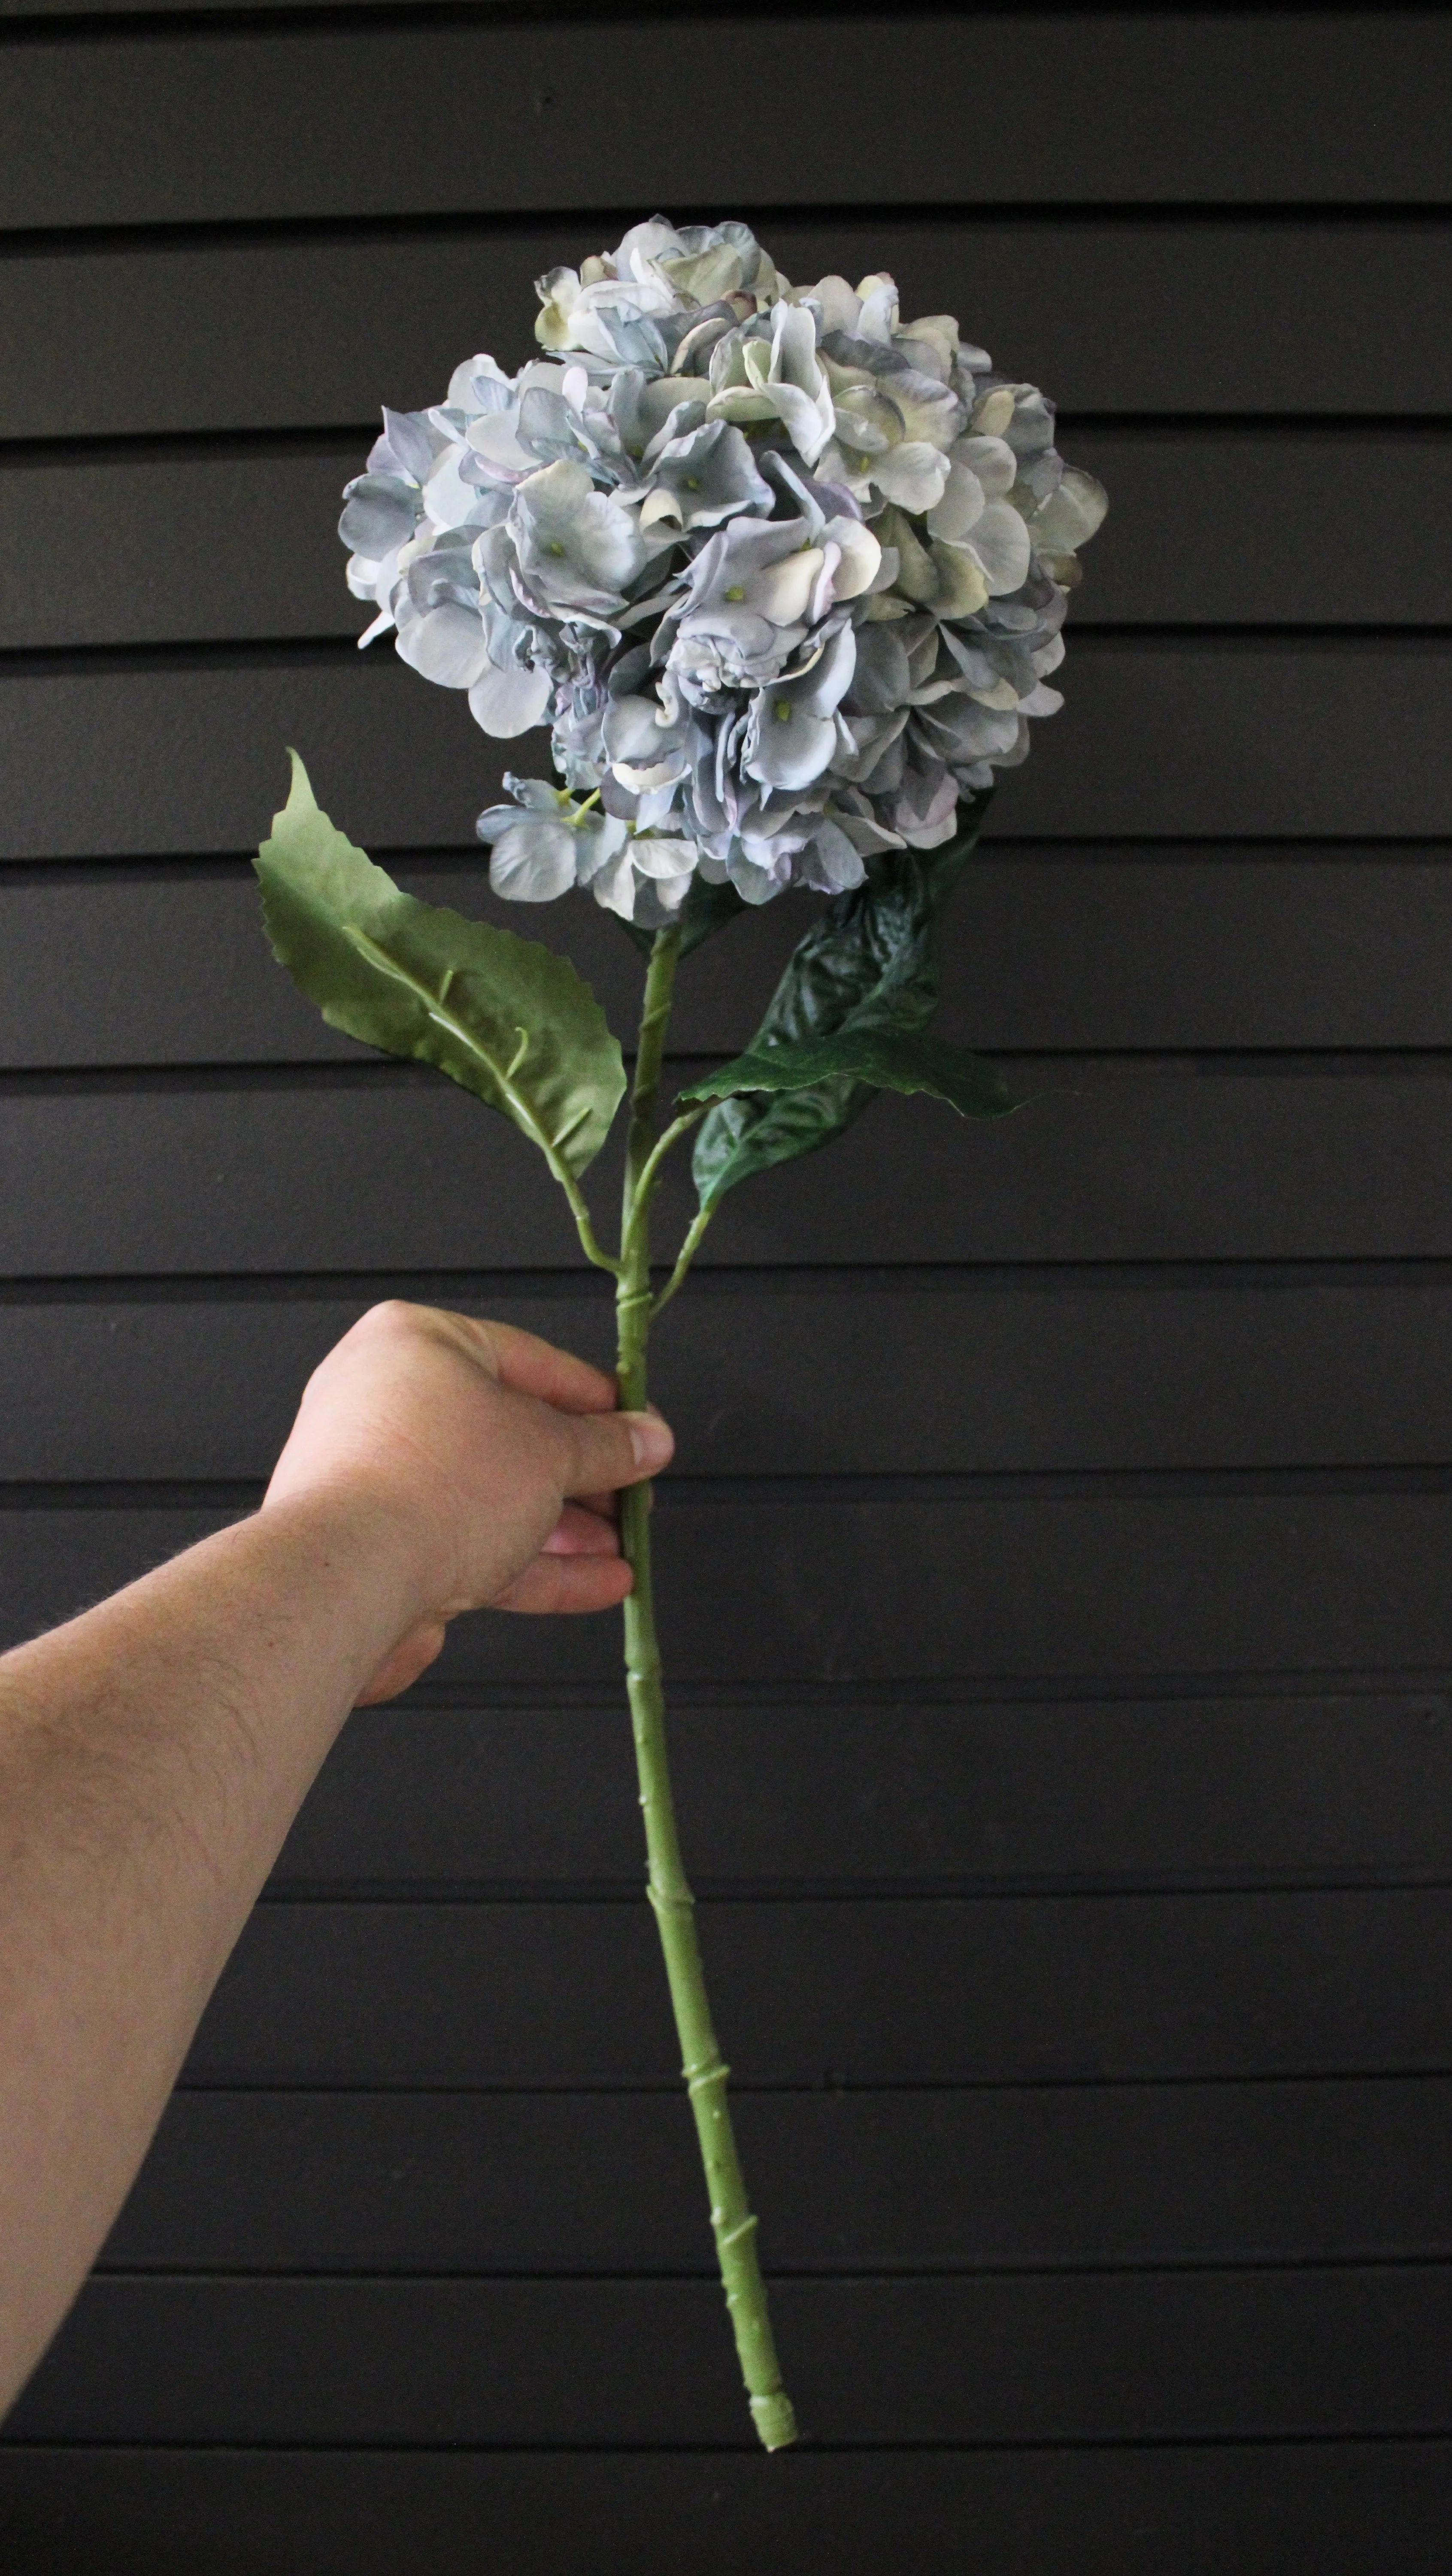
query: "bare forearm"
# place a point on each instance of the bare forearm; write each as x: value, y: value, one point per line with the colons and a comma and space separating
x: 152, y: 1756
x: 154, y: 1752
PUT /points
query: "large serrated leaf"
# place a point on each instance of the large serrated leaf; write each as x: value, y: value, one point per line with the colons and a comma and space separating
x: 505, y: 1017
x: 868, y: 965
x: 884, y: 1058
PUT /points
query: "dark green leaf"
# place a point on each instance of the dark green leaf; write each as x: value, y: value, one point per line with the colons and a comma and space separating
x: 868, y: 964
x: 878, y: 1056
x: 505, y: 1017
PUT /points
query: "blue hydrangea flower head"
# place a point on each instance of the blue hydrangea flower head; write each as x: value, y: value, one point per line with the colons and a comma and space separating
x: 785, y: 575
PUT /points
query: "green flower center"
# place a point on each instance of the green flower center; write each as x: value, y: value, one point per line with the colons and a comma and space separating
x: 693, y: 483
x: 555, y: 546
x: 736, y: 591
x: 783, y: 710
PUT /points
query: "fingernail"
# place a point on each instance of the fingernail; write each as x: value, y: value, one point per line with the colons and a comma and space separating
x: 650, y: 1441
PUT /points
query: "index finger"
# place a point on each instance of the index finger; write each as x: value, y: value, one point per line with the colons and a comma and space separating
x: 534, y: 1367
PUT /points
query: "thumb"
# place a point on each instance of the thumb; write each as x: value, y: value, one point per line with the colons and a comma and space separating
x: 607, y: 1450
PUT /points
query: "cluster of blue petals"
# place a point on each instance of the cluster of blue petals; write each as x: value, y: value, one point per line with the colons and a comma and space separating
x: 784, y: 574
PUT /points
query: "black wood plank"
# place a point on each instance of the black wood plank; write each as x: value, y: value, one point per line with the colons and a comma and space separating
x: 1043, y: 948
x: 1353, y: 2508
x: 834, y: 1992
x: 945, y: 1377
x: 1101, y: 1165
x: 847, y: 2182
x: 1046, y: 2357
x: 830, y: 1792
x: 304, y: 122
x: 200, y: 549
x: 769, y: 1592
x: 1311, y: 316
x: 1227, y: 527
x: 1210, y: 527
x: 1230, y: 738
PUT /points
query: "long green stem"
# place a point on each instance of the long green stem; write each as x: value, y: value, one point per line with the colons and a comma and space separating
x: 666, y: 1885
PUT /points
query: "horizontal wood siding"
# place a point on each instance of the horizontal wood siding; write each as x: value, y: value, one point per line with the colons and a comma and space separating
x: 1055, y: 1576
x: 1303, y: 315
x: 262, y: 519
x: 1330, y: 737
x: 1049, y: 2357
x: 217, y: 127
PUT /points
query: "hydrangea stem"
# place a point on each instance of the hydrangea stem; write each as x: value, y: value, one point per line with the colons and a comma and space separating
x: 666, y: 1884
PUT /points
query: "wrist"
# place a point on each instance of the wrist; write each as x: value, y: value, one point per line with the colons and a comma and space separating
x: 361, y: 1548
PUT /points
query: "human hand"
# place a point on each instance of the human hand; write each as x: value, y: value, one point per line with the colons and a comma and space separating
x: 496, y: 1457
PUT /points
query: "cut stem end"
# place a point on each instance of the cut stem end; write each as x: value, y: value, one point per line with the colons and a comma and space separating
x: 774, y: 2421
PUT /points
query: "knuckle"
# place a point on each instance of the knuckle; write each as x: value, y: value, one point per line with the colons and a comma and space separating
x: 390, y: 1315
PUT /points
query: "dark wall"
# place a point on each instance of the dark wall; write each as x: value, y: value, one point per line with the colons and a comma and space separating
x: 1056, y: 1572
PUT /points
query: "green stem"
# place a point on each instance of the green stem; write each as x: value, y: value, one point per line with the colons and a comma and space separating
x: 686, y: 1256
x: 666, y: 1884
x: 581, y: 1214
x: 648, y: 1177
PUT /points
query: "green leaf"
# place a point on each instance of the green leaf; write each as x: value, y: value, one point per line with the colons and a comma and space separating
x: 505, y: 1017
x: 868, y: 966
x: 889, y: 1062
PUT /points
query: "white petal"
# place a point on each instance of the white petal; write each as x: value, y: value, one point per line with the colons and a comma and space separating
x: 509, y: 702
x: 866, y: 836
x: 879, y: 307
x: 959, y: 586
x: 492, y: 436
x: 448, y: 501
x: 657, y: 505
x: 808, y: 418
x: 753, y: 884
x: 794, y: 348
x: 447, y: 644
x: 614, y: 887
x: 464, y: 391
x: 913, y: 475
x: 740, y: 402
x: 783, y: 591
x: 639, y: 779
x: 961, y: 506
x: 861, y: 557
x: 1070, y: 515
x: 992, y: 460
x: 841, y: 309
x: 1000, y: 696
x: 938, y: 824
x: 995, y: 412
x: 656, y: 856
x: 1003, y: 547
x: 534, y: 861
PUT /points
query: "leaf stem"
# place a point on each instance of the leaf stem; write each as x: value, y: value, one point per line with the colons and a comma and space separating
x: 666, y: 1883
x: 649, y: 1176
x: 593, y: 1250
x: 436, y: 1005
x: 684, y: 1258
